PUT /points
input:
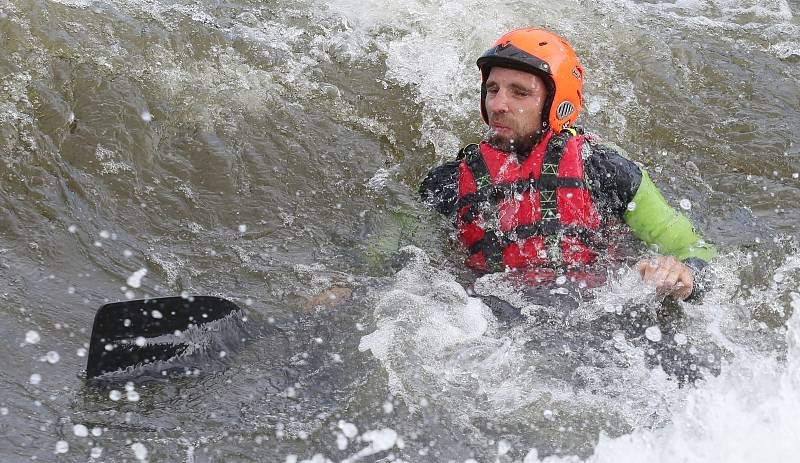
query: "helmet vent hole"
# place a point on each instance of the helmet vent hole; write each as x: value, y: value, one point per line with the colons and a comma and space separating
x: 541, y: 44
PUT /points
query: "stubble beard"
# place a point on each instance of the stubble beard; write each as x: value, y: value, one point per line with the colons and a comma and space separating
x: 521, y: 146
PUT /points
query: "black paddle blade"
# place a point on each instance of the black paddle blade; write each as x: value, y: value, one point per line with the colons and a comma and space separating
x: 125, y: 334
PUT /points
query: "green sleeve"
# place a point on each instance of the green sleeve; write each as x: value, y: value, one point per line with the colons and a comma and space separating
x: 395, y: 230
x: 662, y: 227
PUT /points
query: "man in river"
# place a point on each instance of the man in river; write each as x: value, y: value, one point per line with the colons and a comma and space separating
x: 538, y: 193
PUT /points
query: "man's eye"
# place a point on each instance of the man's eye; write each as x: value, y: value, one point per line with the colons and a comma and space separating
x: 492, y: 89
x: 522, y: 93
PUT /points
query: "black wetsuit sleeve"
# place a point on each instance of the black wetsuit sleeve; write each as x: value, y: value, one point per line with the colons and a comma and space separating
x: 439, y: 190
x: 614, y: 179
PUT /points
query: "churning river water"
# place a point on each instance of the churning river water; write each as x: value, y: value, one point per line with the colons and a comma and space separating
x: 266, y: 151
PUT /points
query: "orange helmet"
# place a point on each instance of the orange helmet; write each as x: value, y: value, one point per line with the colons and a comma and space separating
x: 550, y: 57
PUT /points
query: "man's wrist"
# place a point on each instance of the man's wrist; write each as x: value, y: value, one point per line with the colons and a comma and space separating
x: 695, y: 263
x: 698, y: 288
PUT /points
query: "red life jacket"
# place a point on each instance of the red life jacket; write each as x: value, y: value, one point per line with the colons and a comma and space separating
x: 537, y: 213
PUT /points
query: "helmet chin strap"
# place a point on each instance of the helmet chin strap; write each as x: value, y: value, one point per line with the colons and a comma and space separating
x: 540, y: 133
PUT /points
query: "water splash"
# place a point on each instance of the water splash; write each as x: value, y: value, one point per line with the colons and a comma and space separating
x: 431, y: 337
x: 749, y: 413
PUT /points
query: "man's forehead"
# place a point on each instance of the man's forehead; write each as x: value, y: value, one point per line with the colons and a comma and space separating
x: 515, y: 76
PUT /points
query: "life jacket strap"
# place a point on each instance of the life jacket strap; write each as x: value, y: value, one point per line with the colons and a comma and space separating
x: 524, y: 232
x: 491, y: 245
x: 503, y: 191
x: 487, y: 195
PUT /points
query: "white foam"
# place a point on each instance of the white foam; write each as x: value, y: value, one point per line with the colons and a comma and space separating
x: 425, y: 313
x: 751, y: 412
x: 379, y: 440
x: 378, y: 181
x: 76, y: 3
x: 431, y: 337
x: 786, y: 50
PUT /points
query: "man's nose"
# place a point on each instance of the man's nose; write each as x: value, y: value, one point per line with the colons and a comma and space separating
x: 498, y: 103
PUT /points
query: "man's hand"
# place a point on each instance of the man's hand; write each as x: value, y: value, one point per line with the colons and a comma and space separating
x: 669, y: 275
x: 328, y: 299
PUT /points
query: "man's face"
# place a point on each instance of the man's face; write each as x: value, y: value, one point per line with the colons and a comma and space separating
x: 514, y: 101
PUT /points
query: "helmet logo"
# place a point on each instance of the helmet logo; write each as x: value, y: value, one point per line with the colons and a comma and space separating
x: 576, y: 73
x: 564, y: 109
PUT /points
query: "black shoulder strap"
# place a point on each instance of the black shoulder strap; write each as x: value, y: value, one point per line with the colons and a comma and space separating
x: 477, y: 165
x: 471, y: 155
x: 469, y: 150
x: 484, y: 199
